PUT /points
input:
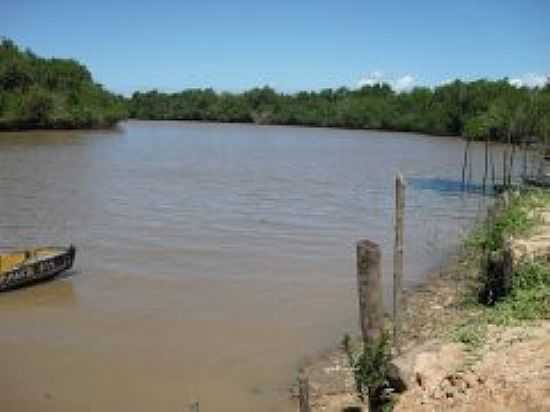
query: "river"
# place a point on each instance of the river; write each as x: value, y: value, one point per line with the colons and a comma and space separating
x: 212, y: 258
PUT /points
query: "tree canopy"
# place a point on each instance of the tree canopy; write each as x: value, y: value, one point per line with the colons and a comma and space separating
x: 37, y: 92
x: 477, y: 109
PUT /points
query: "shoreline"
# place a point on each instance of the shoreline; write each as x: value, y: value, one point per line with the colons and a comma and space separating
x: 113, y: 126
x: 453, y: 344
x: 221, y: 122
x: 305, y: 126
x: 332, y: 386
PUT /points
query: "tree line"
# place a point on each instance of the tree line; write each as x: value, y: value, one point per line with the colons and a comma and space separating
x: 479, y: 109
x: 45, y: 93
x: 36, y: 92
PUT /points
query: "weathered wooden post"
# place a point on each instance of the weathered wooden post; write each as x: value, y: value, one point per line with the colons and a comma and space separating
x: 398, y: 258
x: 303, y: 393
x: 369, y: 277
x: 371, y: 304
x: 505, y: 168
x: 465, y: 163
x: 486, y: 168
x: 506, y: 199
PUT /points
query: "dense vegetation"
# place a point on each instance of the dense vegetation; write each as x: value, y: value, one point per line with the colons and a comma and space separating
x: 477, y: 109
x: 51, y: 93
x: 496, y: 297
x: 37, y: 92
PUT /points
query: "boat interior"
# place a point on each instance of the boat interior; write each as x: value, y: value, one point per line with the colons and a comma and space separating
x: 12, y: 259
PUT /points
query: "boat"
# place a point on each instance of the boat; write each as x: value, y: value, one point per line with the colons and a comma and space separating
x: 24, y: 267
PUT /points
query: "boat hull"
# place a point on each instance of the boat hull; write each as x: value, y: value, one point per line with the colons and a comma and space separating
x: 37, y: 270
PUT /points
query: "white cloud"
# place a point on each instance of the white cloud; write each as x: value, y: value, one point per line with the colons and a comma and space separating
x: 530, y: 80
x: 401, y: 84
x: 371, y: 79
x: 445, y: 82
x: 404, y: 84
x: 407, y: 82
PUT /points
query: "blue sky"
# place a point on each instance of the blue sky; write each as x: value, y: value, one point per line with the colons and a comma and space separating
x: 288, y: 44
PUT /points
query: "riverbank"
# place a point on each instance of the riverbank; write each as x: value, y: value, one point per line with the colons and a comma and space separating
x: 310, y: 126
x: 458, y: 353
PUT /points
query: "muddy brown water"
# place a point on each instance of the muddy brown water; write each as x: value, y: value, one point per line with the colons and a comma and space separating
x: 212, y: 259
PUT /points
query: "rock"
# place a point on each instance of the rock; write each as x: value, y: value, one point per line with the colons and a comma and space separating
x: 544, y: 217
x: 401, y: 371
x: 432, y: 367
x: 513, y: 375
x: 470, y: 379
x: 396, y: 378
x: 425, y: 366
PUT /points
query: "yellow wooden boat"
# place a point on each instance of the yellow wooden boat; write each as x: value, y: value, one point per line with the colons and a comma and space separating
x: 23, y: 267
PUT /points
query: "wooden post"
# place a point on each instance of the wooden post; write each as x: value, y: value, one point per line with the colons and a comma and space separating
x: 504, y: 168
x: 511, y: 169
x: 524, y: 169
x: 465, y: 163
x: 507, y: 268
x: 369, y: 277
x: 303, y: 393
x: 493, y: 172
x: 506, y: 199
x: 371, y: 304
x: 486, y: 168
x: 398, y: 258
x: 194, y: 407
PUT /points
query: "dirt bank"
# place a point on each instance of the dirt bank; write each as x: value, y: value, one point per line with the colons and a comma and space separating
x: 451, y: 359
x: 430, y: 310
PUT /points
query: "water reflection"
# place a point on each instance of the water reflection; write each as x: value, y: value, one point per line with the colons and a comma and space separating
x: 447, y: 187
x: 53, y: 138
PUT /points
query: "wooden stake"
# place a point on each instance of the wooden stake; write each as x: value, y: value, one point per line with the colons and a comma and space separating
x: 504, y: 169
x: 511, y: 169
x: 371, y: 304
x: 303, y: 393
x: 506, y: 199
x: 398, y: 258
x: 465, y: 163
x: 486, y: 168
x: 369, y: 279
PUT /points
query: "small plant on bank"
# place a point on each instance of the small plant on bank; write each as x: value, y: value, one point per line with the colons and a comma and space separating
x: 530, y: 295
x: 370, y: 370
x: 472, y: 333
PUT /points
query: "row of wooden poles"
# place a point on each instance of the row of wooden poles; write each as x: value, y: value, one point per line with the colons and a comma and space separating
x: 370, y: 290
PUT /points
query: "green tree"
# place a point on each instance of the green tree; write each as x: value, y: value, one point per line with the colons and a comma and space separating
x: 38, y: 92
